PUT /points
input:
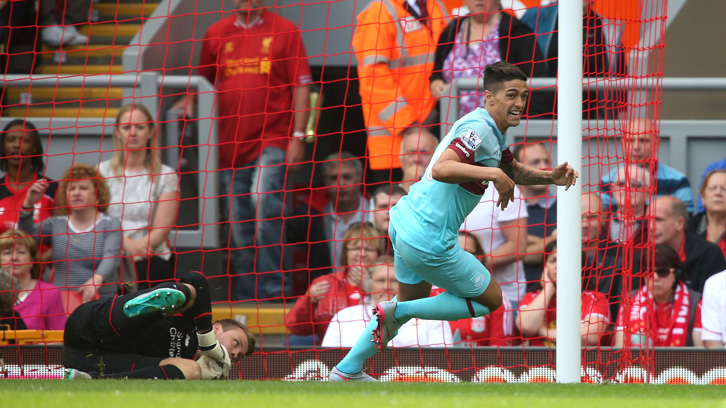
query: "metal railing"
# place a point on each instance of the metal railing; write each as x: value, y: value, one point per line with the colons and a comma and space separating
x: 80, y: 136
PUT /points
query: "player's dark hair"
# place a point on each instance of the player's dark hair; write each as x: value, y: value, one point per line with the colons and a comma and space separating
x: 231, y: 324
x: 500, y: 72
x: 36, y: 161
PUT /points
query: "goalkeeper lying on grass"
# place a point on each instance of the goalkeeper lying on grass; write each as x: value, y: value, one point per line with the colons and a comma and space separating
x: 165, y: 332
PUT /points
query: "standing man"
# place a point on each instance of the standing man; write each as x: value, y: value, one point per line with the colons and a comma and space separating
x: 394, y: 43
x: 258, y: 65
x: 424, y: 224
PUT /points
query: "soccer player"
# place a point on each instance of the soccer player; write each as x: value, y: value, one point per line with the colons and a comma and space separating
x: 154, y: 333
x: 424, y: 224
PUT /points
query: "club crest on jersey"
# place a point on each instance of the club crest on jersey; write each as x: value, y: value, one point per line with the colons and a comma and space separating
x: 471, y: 140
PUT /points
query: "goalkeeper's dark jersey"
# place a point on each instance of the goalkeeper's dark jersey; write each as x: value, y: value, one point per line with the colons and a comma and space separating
x: 168, y: 337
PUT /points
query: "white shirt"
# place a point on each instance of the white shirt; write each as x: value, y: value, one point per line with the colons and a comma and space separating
x: 134, y: 198
x: 484, y: 222
x: 348, y: 324
x: 713, y: 309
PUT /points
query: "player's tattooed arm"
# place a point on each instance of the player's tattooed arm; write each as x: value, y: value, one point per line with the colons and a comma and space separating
x: 525, y: 175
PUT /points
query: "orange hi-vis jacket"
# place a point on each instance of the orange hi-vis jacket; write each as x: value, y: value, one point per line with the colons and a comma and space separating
x: 395, y: 53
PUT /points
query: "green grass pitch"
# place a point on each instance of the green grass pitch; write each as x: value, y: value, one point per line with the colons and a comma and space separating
x: 269, y: 394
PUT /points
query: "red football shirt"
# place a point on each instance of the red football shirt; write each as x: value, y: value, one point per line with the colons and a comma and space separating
x: 11, y: 201
x: 255, y: 69
x: 593, y: 303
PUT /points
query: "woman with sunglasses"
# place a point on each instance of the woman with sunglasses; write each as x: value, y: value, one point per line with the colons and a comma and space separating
x: 664, y: 312
x: 309, y: 318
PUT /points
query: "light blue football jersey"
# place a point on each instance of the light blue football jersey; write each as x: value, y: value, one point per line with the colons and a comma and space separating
x: 429, y: 217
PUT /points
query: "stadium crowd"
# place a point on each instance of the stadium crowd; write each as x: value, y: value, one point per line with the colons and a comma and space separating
x: 102, y: 230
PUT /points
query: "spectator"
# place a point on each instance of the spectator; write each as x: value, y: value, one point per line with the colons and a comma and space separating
x: 21, y: 158
x: 720, y: 164
x: 543, y: 20
x: 86, y: 242
x: 143, y: 195
x: 417, y: 147
x: 664, y: 307
x: 393, y: 46
x: 9, y: 318
x: 498, y: 231
x: 258, y: 65
x: 603, y: 262
x: 701, y: 259
x: 318, y: 227
x: 346, y: 203
x: 713, y: 314
x: 64, y: 32
x: 384, y: 198
x: 640, y: 146
x: 470, y: 43
x: 537, y: 319
x: 309, y: 318
x: 711, y: 224
x: 541, y: 213
x: 39, y: 303
x: 348, y: 324
x: 494, y: 329
x: 631, y: 190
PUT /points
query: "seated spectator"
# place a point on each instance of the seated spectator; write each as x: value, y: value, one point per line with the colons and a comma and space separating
x: 544, y: 21
x: 384, y: 198
x: 537, y: 319
x: 64, y: 32
x: 701, y: 259
x: 348, y: 324
x: 717, y: 165
x: 9, y: 318
x: 470, y: 43
x: 317, y: 226
x: 39, y: 303
x: 346, y: 203
x: 309, y: 318
x: 711, y: 224
x: 494, y: 329
x: 630, y: 189
x: 639, y: 143
x: 143, y: 195
x: 86, y: 242
x: 664, y: 302
x: 603, y: 262
x: 21, y: 158
x: 541, y: 212
x: 713, y: 313
x: 417, y: 147
x: 498, y: 231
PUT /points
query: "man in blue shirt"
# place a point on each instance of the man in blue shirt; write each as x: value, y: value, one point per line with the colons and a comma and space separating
x: 639, y: 145
x: 424, y: 224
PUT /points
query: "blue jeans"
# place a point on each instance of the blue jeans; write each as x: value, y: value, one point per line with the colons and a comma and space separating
x: 253, y: 203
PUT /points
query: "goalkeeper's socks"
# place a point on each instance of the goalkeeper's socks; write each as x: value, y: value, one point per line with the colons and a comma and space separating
x: 165, y: 372
x: 201, y: 310
x: 442, y: 307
